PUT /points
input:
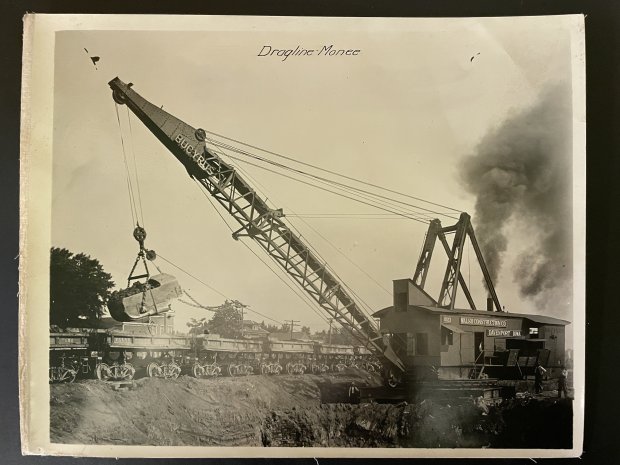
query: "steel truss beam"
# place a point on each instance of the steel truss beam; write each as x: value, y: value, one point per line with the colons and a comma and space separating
x: 452, y: 276
x: 256, y: 219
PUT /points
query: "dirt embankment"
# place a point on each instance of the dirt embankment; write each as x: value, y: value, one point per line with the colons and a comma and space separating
x: 287, y: 411
x: 187, y: 411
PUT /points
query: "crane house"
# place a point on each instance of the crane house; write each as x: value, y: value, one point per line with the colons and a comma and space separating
x: 461, y: 344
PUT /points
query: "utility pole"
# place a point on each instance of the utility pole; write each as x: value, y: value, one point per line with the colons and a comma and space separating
x: 293, y: 324
x: 242, y: 316
x: 330, y: 330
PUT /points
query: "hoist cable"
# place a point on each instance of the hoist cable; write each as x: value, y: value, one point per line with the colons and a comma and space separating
x: 129, y: 187
x: 135, y: 167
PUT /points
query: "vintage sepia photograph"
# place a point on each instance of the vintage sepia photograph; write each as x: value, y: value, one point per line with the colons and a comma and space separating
x: 270, y: 236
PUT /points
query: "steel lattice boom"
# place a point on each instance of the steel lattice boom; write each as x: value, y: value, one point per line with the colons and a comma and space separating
x: 257, y: 221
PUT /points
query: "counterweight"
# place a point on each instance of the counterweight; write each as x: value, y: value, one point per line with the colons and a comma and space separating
x: 256, y: 219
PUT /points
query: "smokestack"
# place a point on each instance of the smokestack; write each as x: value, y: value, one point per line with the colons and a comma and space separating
x: 489, y: 304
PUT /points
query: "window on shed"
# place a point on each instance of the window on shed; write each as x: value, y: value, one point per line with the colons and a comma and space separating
x: 411, y: 344
x: 421, y: 344
x: 400, y: 301
x: 447, y: 337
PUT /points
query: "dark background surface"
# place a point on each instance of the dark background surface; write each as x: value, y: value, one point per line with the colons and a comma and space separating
x: 603, y: 229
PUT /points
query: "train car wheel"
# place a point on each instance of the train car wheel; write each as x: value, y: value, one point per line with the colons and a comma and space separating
x: 289, y: 368
x: 173, y: 370
x: 66, y: 375
x: 153, y: 370
x: 103, y: 372
x: 127, y: 371
x: 198, y: 371
x: 265, y: 369
x: 392, y: 379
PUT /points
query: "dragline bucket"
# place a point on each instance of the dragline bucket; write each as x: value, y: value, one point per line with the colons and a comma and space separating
x: 141, y: 300
x: 257, y: 220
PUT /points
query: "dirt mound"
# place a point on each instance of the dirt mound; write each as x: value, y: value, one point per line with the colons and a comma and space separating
x: 186, y: 411
x: 289, y: 410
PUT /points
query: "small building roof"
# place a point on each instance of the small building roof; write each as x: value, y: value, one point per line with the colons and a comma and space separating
x: 542, y: 319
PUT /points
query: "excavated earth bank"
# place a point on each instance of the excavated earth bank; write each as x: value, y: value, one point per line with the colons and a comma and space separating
x: 287, y: 411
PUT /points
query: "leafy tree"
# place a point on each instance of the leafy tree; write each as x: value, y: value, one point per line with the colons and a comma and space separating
x: 197, y: 326
x: 342, y: 336
x: 227, y: 320
x: 269, y: 327
x: 79, y: 289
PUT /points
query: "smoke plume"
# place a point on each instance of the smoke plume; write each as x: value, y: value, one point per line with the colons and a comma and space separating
x: 521, y: 177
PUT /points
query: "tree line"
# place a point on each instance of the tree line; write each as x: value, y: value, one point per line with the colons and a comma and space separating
x: 80, y: 289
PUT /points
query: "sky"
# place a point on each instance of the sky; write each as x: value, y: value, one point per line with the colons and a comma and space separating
x: 406, y: 113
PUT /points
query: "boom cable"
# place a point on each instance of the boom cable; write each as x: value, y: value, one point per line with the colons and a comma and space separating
x: 405, y: 215
x: 425, y: 211
x: 332, y: 172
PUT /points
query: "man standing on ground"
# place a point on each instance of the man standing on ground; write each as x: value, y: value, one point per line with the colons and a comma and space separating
x: 539, y: 371
x: 562, y: 383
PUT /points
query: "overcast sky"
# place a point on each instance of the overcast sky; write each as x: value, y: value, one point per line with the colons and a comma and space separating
x: 402, y: 114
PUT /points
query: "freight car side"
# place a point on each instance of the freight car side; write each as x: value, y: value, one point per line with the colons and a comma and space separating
x: 139, y: 349
x: 70, y: 356
x: 234, y: 357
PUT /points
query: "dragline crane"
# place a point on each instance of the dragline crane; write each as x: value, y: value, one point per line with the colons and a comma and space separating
x: 257, y: 220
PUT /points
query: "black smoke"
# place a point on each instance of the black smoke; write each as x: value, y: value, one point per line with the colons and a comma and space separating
x: 521, y: 177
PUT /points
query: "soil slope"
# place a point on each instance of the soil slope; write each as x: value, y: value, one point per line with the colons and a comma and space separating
x: 287, y: 411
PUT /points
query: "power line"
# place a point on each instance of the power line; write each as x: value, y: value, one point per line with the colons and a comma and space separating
x: 264, y: 316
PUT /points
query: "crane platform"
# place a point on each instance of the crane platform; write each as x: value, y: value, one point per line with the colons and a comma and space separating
x: 443, y: 391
